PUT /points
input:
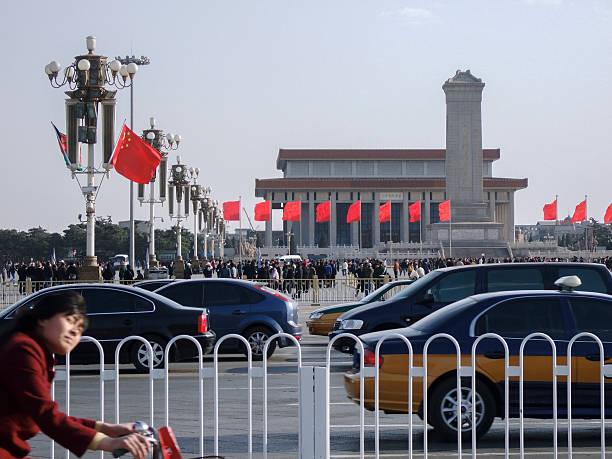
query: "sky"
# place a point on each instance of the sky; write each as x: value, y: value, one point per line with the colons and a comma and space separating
x: 240, y: 79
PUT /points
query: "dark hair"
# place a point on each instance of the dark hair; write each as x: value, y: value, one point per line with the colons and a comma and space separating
x: 65, y: 302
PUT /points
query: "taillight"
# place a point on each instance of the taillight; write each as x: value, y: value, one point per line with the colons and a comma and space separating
x: 369, y: 359
x: 202, y: 324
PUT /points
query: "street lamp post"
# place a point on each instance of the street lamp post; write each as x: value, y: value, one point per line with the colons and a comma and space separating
x: 87, y: 78
x: 139, y: 61
x: 197, y: 194
x: 204, y: 216
x: 162, y: 143
x: 178, y: 188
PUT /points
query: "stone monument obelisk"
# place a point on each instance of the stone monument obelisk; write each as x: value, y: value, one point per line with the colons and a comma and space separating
x: 472, y: 224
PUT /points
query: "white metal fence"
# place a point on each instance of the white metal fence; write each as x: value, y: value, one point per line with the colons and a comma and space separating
x: 314, y: 399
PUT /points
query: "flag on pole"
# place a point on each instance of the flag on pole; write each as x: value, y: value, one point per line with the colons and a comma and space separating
x: 324, y: 211
x: 61, y: 140
x: 580, y: 212
x: 292, y: 211
x: 550, y: 211
x: 262, y: 211
x: 134, y: 158
x: 231, y: 210
x: 258, y: 258
x: 384, y: 212
x: 608, y: 216
x: 415, y: 211
x: 444, y: 211
x: 354, y: 212
x: 53, y: 256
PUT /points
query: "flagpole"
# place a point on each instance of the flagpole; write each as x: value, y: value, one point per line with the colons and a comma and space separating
x: 420, y: 228
x: 556, y: 209
x: 390, y: 229
x: 240, y: 231
x: 450, y: 230
x: 586, y: 227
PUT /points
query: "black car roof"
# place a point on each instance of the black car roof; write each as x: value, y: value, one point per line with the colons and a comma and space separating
x: 524, y: 293
x: 522, y: 264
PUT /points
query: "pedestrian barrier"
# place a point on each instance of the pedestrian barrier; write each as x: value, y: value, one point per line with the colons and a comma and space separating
x: 314, y: 396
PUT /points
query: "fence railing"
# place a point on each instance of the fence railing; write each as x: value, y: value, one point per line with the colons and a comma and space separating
x: 303, y: 291
x: 315, y: 402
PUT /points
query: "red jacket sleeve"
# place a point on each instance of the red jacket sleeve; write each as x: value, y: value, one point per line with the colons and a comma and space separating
x: 29, y: 383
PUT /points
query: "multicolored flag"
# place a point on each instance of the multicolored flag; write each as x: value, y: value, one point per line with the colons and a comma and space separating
x: 61, y: 140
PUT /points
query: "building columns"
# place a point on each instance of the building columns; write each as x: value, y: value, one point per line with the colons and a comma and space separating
x: 375, y: 222
x: 404, y: 235
x: 311, y: 220
x: 268, y: 235
x: 333, y: 220
x: 426, y: 217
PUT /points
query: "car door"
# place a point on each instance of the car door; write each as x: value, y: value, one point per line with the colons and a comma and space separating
x: 514, y: 319
x: 227, y: 305
x: 444, y: 290
x: 591, y: 315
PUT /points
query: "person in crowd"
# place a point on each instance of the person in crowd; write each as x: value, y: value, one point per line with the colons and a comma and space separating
x: 52, y: 326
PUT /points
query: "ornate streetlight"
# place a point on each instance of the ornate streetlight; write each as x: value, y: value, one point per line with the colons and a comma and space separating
x: 178, y: 188
x: 198, y: 199
x: 163, y: 144
x: 87, y: 78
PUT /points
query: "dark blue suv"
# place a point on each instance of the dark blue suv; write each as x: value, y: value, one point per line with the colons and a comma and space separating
x: 235, y: 306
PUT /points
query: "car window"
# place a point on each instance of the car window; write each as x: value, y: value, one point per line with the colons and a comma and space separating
x: 104, y: 300
x: 222, y: 294
x: 514, y: 279
x: 520, y: 317
x: 591, y: 278
x: 454, y: 287
x: 250, y: 296
x: 184, y: 293
x: 593, y: 315
x: 394, y: 290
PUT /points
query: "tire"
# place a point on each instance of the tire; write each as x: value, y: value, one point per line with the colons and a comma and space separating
x: 139, y: 354
x: 257, y: 337
x: 442, y: 409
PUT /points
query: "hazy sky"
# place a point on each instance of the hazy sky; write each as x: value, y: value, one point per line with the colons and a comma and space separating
x: 241, y: 79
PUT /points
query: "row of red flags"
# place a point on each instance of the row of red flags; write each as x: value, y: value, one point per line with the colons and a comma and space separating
x: 292, y: 211
x: 550, y: 212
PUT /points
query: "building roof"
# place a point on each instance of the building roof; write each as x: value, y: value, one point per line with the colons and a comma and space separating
x: 489, y: 154
x: 306, y: 184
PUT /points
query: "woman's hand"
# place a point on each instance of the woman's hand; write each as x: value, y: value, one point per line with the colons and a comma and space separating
x: 117, y: 430
x: 135, y: 443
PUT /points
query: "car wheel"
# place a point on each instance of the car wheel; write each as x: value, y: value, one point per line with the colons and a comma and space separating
x: 443, y: 409
x: 257, y: 337
x: 140, y: 355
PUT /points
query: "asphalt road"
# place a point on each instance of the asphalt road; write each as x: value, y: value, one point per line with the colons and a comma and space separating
x: 283, y: 418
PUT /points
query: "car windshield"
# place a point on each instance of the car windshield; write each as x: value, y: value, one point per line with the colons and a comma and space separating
x: 437, y: 319
x: 8, y: 311
x: 375, y: 293
x: 416, y: 285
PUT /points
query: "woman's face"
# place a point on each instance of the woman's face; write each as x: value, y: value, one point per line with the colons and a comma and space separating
x: 61, y: 333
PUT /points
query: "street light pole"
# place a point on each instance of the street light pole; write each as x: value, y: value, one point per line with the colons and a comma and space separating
x: 87, y: 78
x: 142, y: 60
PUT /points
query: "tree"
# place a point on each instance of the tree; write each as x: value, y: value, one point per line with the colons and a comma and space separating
x: 323, y: 242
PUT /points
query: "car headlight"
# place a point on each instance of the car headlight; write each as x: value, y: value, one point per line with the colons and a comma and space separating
x: 316, y: 315
x: 351, y: 324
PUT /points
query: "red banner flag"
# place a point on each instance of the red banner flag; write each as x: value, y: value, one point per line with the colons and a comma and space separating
x: 134, y: 158
x: 231, y: 210
x: 415, y: 211
x: 354, y: 212
x: 444, y: 211
x: 292, y: 211
x: 550, y: 211
x: 384, y: 212
x: 580, y: 212
x: 324, y: 212
x: 262, y: 211
x: 608, y: 216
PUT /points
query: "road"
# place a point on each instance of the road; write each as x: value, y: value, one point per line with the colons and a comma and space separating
x: 283, y: 412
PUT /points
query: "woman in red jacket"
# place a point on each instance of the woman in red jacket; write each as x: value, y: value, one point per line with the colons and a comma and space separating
x: 52, y: 326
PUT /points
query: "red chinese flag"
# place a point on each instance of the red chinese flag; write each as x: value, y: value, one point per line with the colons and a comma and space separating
x: 324, y: 211
x: 443, y: 211
x: 262, y: 211
x: 384, y: 212
x: 354, y: 212
x: 415, y: 211
x: 580, y: 212
x: 134, y: 158
x: 292, y: 211
x: 608, y: 216
x: 231, y: 210
x: 550, y: 211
